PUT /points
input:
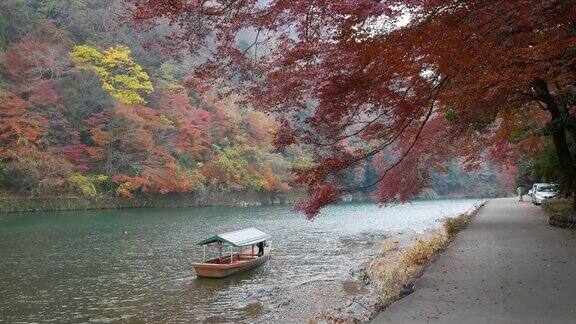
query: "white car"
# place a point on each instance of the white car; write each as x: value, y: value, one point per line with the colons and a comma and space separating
x: 541, y: 191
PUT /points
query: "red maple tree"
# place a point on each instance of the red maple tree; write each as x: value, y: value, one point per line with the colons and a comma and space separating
x: 417, y: 82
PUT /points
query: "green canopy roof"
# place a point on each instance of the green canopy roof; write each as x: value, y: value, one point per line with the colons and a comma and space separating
x: 243, y: 237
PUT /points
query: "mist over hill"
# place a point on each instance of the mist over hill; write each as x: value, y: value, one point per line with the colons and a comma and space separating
x: 89, y: 108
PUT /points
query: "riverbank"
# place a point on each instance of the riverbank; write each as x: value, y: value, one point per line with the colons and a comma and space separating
x: 507, y: 266
x: 135, y: 265
x: 17, y: 204
x: 14, y: 204
x: 390, y: 275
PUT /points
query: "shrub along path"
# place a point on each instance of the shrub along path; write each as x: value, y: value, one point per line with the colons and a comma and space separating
x: 507, y: 266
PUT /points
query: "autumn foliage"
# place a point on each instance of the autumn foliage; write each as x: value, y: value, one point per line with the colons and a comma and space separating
x: 386, y: 97
x: 410, y: 83
x: 91, y: 120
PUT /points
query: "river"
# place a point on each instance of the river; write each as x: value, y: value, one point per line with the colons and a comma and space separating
x: 134, y: 265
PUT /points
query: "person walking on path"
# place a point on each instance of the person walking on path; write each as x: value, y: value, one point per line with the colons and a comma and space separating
x: 520, y: 192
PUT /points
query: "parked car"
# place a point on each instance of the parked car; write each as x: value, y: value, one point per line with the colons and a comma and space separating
x: 541, y: 191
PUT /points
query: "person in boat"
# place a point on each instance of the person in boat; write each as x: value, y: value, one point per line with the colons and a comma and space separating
x: 260, y: 246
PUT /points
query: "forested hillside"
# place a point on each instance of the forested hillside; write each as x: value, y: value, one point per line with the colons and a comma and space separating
x: 88, y: 107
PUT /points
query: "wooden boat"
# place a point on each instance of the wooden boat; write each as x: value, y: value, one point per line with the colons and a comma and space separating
x: 234, y: 262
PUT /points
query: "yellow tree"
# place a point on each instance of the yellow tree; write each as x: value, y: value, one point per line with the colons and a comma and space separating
x: 123, y: 78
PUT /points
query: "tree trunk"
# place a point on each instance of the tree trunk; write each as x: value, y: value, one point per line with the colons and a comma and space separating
x: 558, y: 133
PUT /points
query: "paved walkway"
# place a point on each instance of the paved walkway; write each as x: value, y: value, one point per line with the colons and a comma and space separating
x: 507, y: 266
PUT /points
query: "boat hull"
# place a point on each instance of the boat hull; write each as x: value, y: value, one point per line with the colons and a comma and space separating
x: 220, y: 268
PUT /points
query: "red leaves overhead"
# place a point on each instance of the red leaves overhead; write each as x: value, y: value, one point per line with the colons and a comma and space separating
x: 320, y: 196
x: 352, y: 79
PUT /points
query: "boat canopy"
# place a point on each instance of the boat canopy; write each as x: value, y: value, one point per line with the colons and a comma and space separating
x: 238, y: 238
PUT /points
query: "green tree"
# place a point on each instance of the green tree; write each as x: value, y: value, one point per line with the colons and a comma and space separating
x: 2, y: 31
x: 546, y: 168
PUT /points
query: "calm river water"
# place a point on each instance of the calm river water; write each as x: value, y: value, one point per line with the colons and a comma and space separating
x: 135, y: 265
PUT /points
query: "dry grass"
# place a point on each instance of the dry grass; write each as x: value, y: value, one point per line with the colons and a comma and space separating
x: 424, y: 250
x: 395, y: 269
x: 454, y: 225
x: 388, y: 245
x: 393, y: 272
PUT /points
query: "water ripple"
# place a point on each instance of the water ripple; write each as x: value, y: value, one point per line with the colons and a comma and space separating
x: 135, y: 265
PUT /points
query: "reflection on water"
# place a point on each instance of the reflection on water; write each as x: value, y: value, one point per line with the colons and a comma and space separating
x: 135, y: 265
